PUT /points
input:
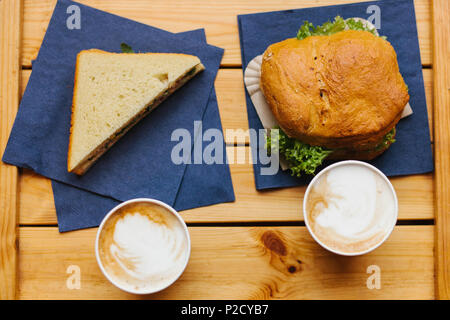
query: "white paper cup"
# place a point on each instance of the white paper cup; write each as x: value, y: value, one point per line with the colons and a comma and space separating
x: 141, y: 200
x: 380, y: 174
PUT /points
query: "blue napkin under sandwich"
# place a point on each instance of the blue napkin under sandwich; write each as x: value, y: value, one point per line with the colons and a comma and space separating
x: 411, y: 153
x: 139, y: 164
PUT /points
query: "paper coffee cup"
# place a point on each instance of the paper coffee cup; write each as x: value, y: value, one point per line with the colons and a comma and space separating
x: 350, y: 208
x: 142, y: 246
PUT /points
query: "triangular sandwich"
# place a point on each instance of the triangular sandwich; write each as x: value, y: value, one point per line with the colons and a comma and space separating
x: 113, y: 91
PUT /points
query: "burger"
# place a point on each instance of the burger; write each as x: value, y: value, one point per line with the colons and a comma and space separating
x: 336, y: 92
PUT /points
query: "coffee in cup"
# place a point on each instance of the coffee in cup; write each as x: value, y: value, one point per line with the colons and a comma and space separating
x: 142, y: 246
x: 350, y: 208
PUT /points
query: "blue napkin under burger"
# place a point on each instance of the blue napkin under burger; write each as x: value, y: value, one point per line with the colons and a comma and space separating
x: 411, y: 153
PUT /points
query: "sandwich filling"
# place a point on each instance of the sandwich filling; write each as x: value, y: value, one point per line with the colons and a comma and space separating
x: 306, y: 158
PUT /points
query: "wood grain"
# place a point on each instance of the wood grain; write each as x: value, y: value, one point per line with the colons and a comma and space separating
x: 232, y: 106
x: 415, y: 194
x: 239, y: 263
x: 218, y: 18
x: 10, y: 24
x: 441, y: 60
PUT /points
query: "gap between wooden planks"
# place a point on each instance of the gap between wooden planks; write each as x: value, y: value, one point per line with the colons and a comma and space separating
x: 219, y: 18
x: 239, y: 263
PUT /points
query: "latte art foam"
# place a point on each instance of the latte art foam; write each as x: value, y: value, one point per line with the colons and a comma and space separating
x: 351, y: 208
x: 143, y: 247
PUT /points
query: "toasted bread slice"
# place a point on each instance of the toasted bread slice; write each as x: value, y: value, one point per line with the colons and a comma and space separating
x: 113, y: 91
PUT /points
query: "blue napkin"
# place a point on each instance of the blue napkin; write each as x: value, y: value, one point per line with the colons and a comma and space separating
x: 139, y: 165
x: 79, y: 209
x: 411, y: 153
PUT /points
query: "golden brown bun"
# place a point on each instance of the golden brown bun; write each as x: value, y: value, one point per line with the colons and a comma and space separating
x: 340, y: 91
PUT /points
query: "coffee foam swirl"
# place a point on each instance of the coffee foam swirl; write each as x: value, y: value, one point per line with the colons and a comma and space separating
x: 143, y: 247
x: 351, y: 208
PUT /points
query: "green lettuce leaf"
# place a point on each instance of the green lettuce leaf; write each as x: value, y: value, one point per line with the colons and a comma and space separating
x: 388, y: 139
x: 301, y: 156
x: 126, y: 48
x: 329, y: 28
x: 304, y: 158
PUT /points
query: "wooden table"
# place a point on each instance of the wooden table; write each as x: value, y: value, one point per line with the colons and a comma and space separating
x: 257, y: 247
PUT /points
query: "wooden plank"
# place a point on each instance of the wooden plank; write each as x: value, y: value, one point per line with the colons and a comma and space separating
x: 239, y: 263
x: 441, y: 60
x: 217, y: 17
x: 415, y: 194
x: 10, y: 24
x: 232, y: 106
